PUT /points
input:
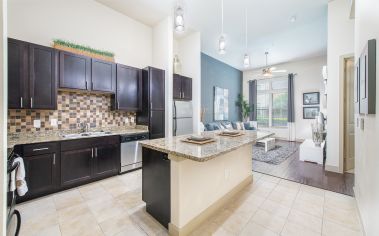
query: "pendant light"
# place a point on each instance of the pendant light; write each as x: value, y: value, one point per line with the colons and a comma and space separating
x: 179, y: 18
x: 246, y: 58
x: 221, y: 40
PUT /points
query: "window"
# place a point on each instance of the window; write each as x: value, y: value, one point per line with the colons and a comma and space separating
x: 272, y: 102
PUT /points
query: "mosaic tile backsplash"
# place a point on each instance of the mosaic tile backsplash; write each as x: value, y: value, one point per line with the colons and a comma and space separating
x: 73, y: 108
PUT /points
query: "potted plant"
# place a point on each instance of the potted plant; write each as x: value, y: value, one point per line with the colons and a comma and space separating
x: 244, y: 107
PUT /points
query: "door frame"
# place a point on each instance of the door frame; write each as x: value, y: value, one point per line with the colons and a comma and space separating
x: 342, y: 73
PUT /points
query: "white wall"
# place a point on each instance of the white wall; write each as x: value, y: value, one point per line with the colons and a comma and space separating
x: 188, y: 50
x: 308, y: 79
x: 367, y: 140
x: 3, y: 113
x: 84, y: 22
x: 163, y: 59
x: 340, y: 43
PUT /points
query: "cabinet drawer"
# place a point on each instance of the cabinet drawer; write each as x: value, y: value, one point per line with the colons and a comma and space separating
x: 88, y: 142
x: 40, y: 148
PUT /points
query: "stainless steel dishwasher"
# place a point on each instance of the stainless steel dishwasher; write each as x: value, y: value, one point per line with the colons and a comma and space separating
x: 131, y: 151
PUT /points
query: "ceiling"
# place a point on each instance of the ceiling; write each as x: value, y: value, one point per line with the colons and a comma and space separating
x: 269, y: 26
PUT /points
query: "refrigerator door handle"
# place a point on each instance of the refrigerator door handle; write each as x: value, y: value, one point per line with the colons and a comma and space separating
x: 174, y: 115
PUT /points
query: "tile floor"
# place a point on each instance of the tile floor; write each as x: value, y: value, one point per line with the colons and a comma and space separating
x: 268, y: 207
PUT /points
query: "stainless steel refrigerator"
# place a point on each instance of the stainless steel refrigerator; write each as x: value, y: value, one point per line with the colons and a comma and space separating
x: 182, y: 123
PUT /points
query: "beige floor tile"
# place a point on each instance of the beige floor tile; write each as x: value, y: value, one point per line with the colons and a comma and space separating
x: 49, y: 231
x: 275, y: 209
x: 220, y: 216
x: 103, y: 210
x: 131, y: 199
x: 257, y: 176
x: 210, y: 228
x: 117, y: 224
x: 269, y: 221
x: 237, y: 220
x: 294, y: 229
x: 85, y: 226
x: 263, y: 189
x: 345, y: 218
x: 305, y: 220
x: 147, y: 223
x: 253, y: 229
x: 289, y: 184
x: 45, y: 206
x: 34, y: 226
x: 67, y: 198
x: 340, y: 201
x: 282, y: 197
x: 115, y: 186
x: 310, y: 198
x: 93, y: 191
x: 333, y: 229
x: 269, y: 178
x: 310, y: 207
x: 75, y: 211
x: 132, y: 231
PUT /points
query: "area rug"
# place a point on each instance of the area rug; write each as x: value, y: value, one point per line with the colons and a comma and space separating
x: 276, y: 155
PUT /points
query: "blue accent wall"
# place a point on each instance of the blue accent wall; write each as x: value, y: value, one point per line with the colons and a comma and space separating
x: 216, y: 73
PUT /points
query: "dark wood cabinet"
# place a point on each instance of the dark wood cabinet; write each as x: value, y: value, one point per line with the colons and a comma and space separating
x: 182, y: 87
x: 107, y: 161
x: 156, y: 185
x: 157, y: 124
x: 76, y: 166
x: 17, y: 74
x: 85, y: 160
x: 75, y: 71
x: 128, y: 95
x: 103, y: 77
x: 177, y: 89
x: 32, y: 76
x: 41, y: 168
x: 152, y: 113
x: 42, y: 78
x: 186, y: 88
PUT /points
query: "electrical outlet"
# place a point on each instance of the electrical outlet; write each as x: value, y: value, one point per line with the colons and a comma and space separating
x: 37, y: 123
x: 126, y: 120
x: 132, y: 119
x: 54, y: 122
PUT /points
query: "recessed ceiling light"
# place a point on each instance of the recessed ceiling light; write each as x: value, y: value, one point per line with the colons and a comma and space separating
x: 293, y: 19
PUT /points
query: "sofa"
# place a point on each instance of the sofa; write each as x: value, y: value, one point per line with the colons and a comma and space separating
x: 221, y: 125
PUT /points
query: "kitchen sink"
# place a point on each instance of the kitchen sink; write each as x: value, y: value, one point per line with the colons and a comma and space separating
x: 86, y: 134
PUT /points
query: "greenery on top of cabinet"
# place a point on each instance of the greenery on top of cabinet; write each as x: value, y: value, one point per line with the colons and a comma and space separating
x: 82, y: 47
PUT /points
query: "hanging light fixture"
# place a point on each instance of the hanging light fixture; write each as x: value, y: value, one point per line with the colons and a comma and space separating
x: 179, y: 18
x: 246, y: 58
x: 221, y: 40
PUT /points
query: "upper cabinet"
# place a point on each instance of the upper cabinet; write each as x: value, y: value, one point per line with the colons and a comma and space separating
x: 85, y: 73
x: 128, y: 95
x: 75, y: 71
x: 32, y: 74
x: 182, y: 89
x: 103, y: 76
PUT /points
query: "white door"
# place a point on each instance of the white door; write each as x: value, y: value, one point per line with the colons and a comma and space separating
x: 349, y: 135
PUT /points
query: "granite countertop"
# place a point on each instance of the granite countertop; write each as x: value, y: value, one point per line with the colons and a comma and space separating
x: 51, y: 136
x: 205, y: 152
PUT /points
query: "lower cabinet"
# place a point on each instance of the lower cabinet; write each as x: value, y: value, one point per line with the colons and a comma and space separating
x: 76, y: 166
x: 156, y: 185
x: 41, y: 169
x: 51, y: 167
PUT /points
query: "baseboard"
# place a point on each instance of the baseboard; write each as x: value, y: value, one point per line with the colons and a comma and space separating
x: 203, y: 216
x: 332, y: 169
x: 359, y: 211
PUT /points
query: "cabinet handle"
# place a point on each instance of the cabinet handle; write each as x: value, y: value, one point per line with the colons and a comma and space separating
x: 151, y: 105
x: 86, y: 85
x: 54, y: 159
x: 22, y: 102
x: 95, y: 152
x: 40, y: 149
x: 92, y: 152
x: 91, y: 85
x: 118, y: 105
x: 182, y: 94
x: 31, y: 102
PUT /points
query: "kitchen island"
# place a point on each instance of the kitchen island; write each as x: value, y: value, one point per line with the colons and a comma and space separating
x: 183, y: 184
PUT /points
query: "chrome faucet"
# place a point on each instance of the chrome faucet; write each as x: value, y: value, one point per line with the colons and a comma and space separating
x: 84, y: 127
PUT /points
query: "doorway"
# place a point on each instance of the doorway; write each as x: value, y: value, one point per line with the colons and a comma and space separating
x: 348, y: 116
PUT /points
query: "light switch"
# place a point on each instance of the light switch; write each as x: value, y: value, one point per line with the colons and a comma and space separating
x: 54, y: 122
x: 37, y: 123
x: 126, y: 120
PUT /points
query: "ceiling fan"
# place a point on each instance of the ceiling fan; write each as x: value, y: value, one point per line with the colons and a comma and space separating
x: 267, y: 72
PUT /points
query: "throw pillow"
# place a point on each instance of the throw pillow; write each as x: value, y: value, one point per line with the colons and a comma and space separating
x: 228, y: 126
